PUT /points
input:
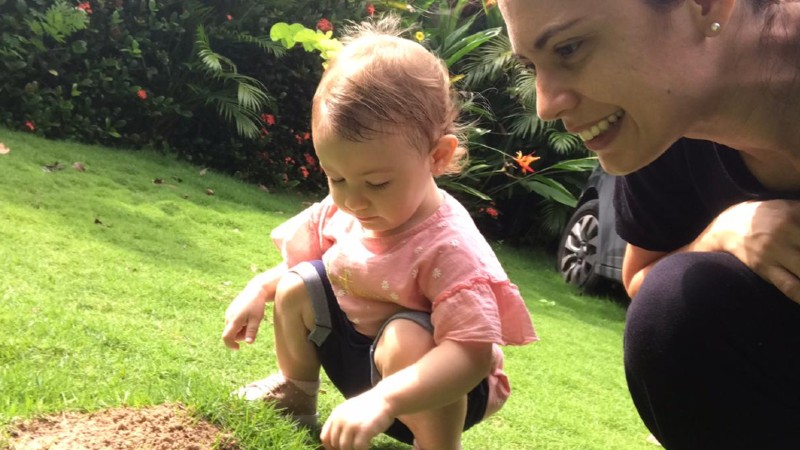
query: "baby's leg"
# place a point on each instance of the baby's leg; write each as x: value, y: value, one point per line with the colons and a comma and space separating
x: 294, y: 318
x: 293, y: 390
x: 402, y: 343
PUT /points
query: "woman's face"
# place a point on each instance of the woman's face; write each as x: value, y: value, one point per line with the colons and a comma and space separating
x: 627, y: 78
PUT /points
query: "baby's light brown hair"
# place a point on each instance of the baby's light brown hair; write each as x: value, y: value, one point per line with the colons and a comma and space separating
x: 381, y: 83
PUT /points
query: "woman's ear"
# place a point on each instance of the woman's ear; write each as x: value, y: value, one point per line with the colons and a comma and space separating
x: 712, y: 16
x: 442, y: 153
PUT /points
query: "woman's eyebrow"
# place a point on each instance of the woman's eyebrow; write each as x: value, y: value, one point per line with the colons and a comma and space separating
x: 552, y: 31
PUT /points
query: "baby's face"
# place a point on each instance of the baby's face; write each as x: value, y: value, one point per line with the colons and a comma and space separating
x: 385, y: 183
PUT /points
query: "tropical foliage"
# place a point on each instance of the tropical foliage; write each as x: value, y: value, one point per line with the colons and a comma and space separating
x: 524, y: 172
x: 229, y: 84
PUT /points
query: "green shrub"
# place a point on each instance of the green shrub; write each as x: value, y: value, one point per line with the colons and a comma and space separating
x: 202, y: 79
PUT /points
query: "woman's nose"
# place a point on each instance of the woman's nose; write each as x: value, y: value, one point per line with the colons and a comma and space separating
x: 553, y: 97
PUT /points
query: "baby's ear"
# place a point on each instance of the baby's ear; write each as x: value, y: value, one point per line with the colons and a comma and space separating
x: 442, y: 153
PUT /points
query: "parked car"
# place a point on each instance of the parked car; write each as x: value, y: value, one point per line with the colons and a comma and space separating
x: 590, y: 251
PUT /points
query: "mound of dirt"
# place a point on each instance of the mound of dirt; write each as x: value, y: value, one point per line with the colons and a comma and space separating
x: 163, y: 427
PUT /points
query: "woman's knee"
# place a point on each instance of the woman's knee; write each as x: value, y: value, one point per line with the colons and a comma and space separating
x: 684, y: 298
x: 402, y: 343
x: 693, y: 284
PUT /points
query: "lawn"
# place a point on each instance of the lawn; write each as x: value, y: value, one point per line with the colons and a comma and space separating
x: 115, y: 280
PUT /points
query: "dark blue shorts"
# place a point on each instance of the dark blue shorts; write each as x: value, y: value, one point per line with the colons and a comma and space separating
x: 346, y: 354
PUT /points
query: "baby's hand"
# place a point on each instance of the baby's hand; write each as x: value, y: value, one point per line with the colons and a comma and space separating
x: 353, y: 424
x: 243, y: 317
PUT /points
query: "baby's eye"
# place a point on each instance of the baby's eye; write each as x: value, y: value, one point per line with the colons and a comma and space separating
x: 335, y: 181
x: 378, y: 186
x: 565, y: 51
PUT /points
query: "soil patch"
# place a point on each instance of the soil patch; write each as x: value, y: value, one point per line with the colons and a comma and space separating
x: 162, y: 427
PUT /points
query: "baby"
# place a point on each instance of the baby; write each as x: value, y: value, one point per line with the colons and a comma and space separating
x: 386, y: 283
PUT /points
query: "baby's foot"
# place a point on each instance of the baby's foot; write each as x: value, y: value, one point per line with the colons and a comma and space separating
x: 298, y: 402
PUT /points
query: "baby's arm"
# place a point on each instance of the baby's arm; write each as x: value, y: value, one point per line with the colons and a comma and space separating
x: 441, y: 377
x: 246, y: 311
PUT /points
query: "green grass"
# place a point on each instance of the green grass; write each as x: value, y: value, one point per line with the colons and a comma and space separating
x: 113, y: 290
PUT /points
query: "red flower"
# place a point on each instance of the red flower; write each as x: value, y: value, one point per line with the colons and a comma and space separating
x: 490, y: 211
x: 263, y: 132
x: 370, y: 9
x: 525, y: 161
x: 31, y: 126
x: 85, y: 6
x: 229, y: 17
x: 310, y: 160
x: 142, y: 94
x: 269, y: 119
x: 288, y: 160
x: 304, y: 171
x: 306, y: 136
x: 324, y: 25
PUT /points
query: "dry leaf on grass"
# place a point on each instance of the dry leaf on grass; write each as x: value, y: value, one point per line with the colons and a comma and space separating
x: 79, y: 167
x: 52, y: 167
x: 3, y: 149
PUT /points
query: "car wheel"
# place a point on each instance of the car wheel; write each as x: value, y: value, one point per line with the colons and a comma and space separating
x: 577, y: 253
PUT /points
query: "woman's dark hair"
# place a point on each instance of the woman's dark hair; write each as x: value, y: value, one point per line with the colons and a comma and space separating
x: 665, y: 5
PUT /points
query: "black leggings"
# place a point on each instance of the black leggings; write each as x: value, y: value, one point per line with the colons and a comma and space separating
x: 712, y: 356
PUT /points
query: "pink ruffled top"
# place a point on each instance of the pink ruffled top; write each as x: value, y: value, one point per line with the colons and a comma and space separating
x: 443, y: 266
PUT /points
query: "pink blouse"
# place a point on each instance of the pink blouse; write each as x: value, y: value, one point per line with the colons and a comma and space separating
x: 443, y: 266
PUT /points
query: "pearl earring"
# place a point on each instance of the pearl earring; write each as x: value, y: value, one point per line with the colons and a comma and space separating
x: 715, y: 27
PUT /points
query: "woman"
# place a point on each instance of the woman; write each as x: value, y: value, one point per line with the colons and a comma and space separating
x: 697, y: 103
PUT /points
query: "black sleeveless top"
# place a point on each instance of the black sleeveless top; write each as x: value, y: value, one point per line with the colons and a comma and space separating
x: 666, y: 204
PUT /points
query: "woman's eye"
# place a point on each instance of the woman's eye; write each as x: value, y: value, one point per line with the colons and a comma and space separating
x: 565, y: 51
x: 335, y: 181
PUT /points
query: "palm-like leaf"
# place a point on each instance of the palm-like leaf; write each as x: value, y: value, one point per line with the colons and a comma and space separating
x: 489, y: 63
x: 239, y: 98
x: 564, y: 143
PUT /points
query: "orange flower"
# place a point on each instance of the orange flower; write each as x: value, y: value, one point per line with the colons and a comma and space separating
x: 525, y: 161
x: 490, y: 3
x: 142, y: 94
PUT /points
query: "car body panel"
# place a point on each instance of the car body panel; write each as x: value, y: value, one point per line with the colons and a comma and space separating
x: 611, y: 247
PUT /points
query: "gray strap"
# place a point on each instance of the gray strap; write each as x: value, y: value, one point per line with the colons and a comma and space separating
x: 319, y: 303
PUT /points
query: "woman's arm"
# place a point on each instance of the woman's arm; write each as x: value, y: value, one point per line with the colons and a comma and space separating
x: 764, y: 235
x: 635, y: 265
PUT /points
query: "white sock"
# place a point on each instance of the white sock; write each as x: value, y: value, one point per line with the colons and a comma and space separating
x: 309, y: 387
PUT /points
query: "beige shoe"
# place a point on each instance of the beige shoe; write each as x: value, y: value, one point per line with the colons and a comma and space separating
x: 285, y: 395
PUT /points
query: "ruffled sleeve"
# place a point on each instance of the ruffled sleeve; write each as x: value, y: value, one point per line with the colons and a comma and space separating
x: 301, y: 238
x: 483, y: 310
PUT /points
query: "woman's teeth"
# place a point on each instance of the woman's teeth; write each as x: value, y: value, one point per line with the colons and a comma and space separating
x: 601, y: 127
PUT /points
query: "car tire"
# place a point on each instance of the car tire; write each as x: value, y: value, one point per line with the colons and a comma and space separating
x: 577, y: 251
